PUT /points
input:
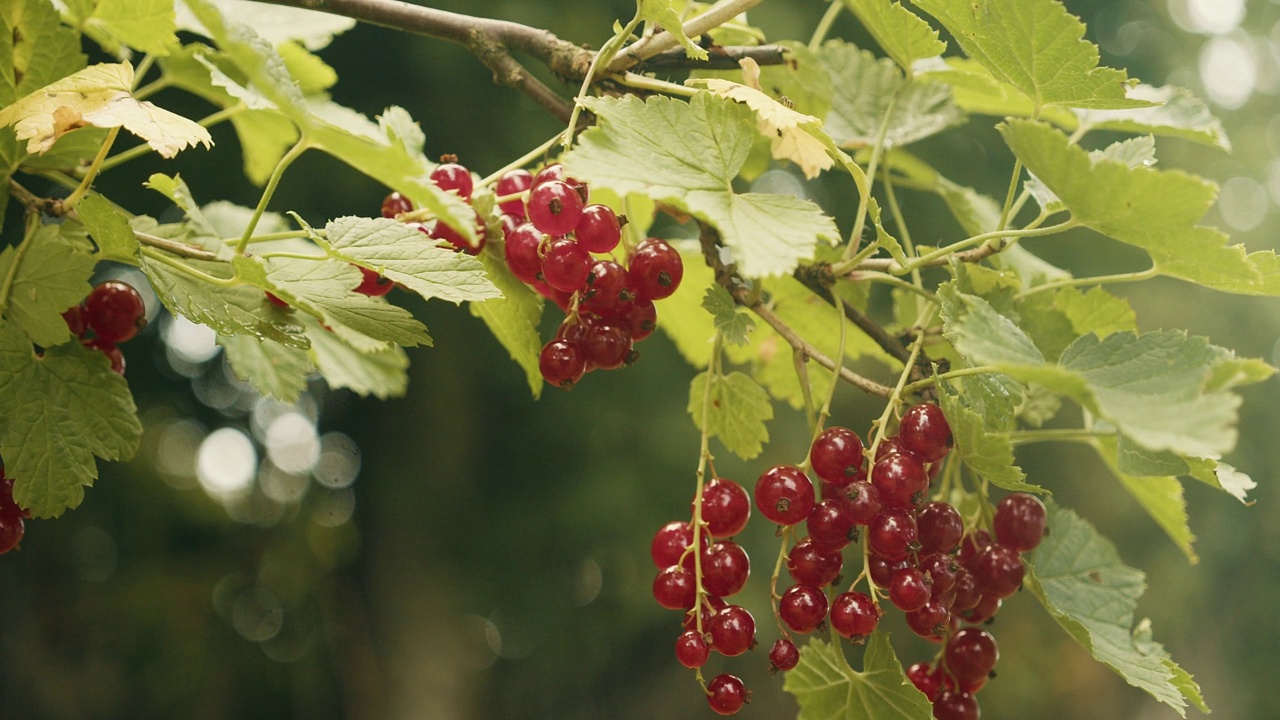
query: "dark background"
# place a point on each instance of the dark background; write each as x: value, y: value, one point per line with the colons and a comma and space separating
x: 496, y: 562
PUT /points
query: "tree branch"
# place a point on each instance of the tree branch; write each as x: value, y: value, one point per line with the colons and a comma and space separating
x: 818, y: 279
x: 717, y: 15
x: 721, y: 58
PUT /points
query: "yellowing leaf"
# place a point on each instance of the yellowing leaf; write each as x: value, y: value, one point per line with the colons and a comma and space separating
x: 100, y: 96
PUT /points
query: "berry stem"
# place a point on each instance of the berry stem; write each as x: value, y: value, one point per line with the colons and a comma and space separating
x: 189, y: 271
x: 6, y: 286
x: 785, y: 537
x: 644, y: 82
x: 1128, y: 277
x: 824, y: 25
x: 895, y: 396
x: 92, y: 173
x: 294, y: 153
x: 802, y: 372
x: 704, y: 458
x: 860, y: 221
x: 534, y: 154
x: 919, y: 385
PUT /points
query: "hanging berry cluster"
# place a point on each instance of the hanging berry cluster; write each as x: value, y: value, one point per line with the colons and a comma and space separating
x: 11, y: 516
x: 114, y: 313
x: 920, y: 554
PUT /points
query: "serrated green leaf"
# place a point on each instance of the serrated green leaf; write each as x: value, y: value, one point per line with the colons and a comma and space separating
x: 737, y: 412
x: 35, y: 48
x: 229, y: 220
x: 71, y: 153
x: 902, y: 34
x: 865, y: 86
x: 338, y: 131
x: 198, y: 228
x: 237, y: 309
x: 325, y: 288
x: 272, y: 369
x: 661, y: 12
x: 61, y: 409
x: 411, y: 258
x: 985, y: 450
x: 146, y: 25
x: 1156, y: 211
x: 1188, y: 686
x: 52, y: 275
x: 826, y: 688
x: 109, y: 229
x: 277, y: 24
x: 382, y: 373
x: 734, y: 326
x: 1179, y: 113
x: 802, y: 79
x: 793, y: 136
x: 513, y: 318
x: 686, y: 155
x: 313, y: 74
x: 1078, y: 577
x: 977, y: 92
x: 1036, y: 46
x: 1096, y: 311
x: 983, y: 335
x: 1160, y: 495
x: 1134, y: 152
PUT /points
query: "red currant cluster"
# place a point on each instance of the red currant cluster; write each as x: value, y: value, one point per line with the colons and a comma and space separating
x: 114, y: 312
x: 724, y: 568
x: 11, y: 516
x: 550, y: 242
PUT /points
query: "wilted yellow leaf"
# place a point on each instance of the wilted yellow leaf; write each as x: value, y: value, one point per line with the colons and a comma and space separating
x: 99, y: 95
x: 789, y: 140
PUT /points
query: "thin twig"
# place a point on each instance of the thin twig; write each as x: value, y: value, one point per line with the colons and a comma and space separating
x: 719, y: 58
x: 818, y: 279
x: 714, y: 17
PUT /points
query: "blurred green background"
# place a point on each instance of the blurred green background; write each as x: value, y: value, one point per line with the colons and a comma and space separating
x: 468, y: 553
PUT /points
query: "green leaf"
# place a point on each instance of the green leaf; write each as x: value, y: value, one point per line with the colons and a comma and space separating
x: 61, y: 409
x: 1133, y: 459
x: 1096, y: 311
x: 1156, y: 211
x: 1036, y: 46
x: 976, y: 213
x: 686, y: 155
x: 513, y: 318
x: 72, y: 151
x: 739, y: 409
x: 325, y: 288
x: 1134, y: 152
x: 902, y: 34
x: 864, y: 87
x: 682, y: 318
x: 1222, y: 476
x: 984, y: 449
x: 109, y: 229
x: 278, y: 24
x: 406, y: 255
x: 826, y: 688
x: 1160, y: 495
x: 1179, y: 113
x: 983, y: 335
x: 271, y: 368
x: 313, y: 74
x: 1078, y: 577
x: 52, y: 275
x: 198, y: 228
x: 35, y: 48
x: 977, y: 92
x: 734, y: 326
x: 661, y: 12
x: 146, y: 25
x: 382, y: 373
x: 236, y: 309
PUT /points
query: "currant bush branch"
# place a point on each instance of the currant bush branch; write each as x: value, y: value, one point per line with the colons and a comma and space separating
x: 715, y: 16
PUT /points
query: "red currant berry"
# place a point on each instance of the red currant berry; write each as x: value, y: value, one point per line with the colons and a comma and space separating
x: 733, y: 631
x: 691, y: 649
x: 836, y: 456
x: 451, y: 176
x: 941, y: 569
x: 1019, y: 522
x: 784, y: 495
x: 952, y: 705
x: 111, y: 350
x: 656, y: 269
x: 275, y: 300
x: 882, y: 570
x: 12, y: 529
x: 930, y: 621
x: 674, y: 588
x: 984, y: 610
x: 725, y: 507
x: 512, y: 182
x: 726, y: 694
x: 608, y: 290
x: 522, y: 253
x: 854, y: 615
x: 889, y: 446
x: 803, y: 608
x: 371, y: 284
x: 784, y: 655
x: 607, y: 346
x: 566, y: 265
x: 395, y: 204
x: 967, y: 594
x: 909, y: 589
x: 554, y: 207
x: 725, y: 568
x: 925, y: 432
x: 77, y: 321
x: 114, y: 311
x: 831, y: 525
x: 892, y: 535
x: 709, y: 606
x: 641, y: 318
x: 810, y: 564
x: 863, y: 502
x: 441, y: 231
x: 926, y: 678
x: 971, y: 545
x: 562, y: 363
x: 599, y: 230
x: 941, y: 527
x: 901, y: 480
x: 670, y: 544
x: 998, y: 570
x: 971, y: 655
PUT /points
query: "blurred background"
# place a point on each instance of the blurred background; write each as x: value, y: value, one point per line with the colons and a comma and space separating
x: 467, y: 553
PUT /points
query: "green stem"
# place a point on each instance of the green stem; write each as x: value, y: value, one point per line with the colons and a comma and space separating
x: 138, y: 151
x: 523, y: 160
x: 986, y: 237
x: 92, y: 172
x: 887, y: 279
x: 187, y: 270
x: 642, y: 82
x: 144, y: 66
x: 835, y: 375
x: 152, y: 88
x: 824, y: 25
x: 269, y: 237
x: 919, y: 385
x: 29, y: 233
x: 1138, y: 276
x: 1005, y: 212
x: 802, y: 373
x: 877, y: 150
x: 704, y: 457
x: 293, y: 154
x: 294, y: 256
x: 898, y: 219
x: 895, y: 397
x: 1080, y: 435
x: 604, y: 57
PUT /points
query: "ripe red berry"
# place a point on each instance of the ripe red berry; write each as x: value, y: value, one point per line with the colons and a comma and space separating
x: 925, y: 432
x: 854, y: 615
x: 726, y: 694
x: 725, y: 568
x: 441, y: 231
x: 941, y: 527
x: 971, y: 655
x: 784, y: 655
x: 641, y: 318
x: 395, y: 204
x: 674, y: 588
x: 930, y: 621
x: 562, y: 363
x: 926, y: 678
x: 566, y: 265
x: 953, y: 705
x: 836, y: 456
x: 512, y: 182
x: 691, y: 649
x: 110, y: 350
x: 522, y: 253
x: 803, y: 608
x: 670, y: 543
x: 998, y: 570
x: 725, y: 507
x: 607, y: 346
x: 831, y: 525
x: 452, y: 176
x: 114, y: 311
x: 554, y: 207
x: 909, y: 589
x: 76, y: 320
x: 892, y: 535
x: 12, y: 529
x: 810, y: 564
x: 784, y: 495
x: 1019, y: 522
x: 901, y: 480
x: 863, y: 502
x: 733, y: 631
x: 656, y: 269
x: 371, y: 284
x: 608, y: 292
x: 599, y: 230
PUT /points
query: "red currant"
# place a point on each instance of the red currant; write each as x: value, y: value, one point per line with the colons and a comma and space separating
x: 674, y: 588
x: 656, y: 269
x: 554, y: 207
x: 562, y: 363
x: 926, y: 678
x: 892, y: 535
x: 691, y: 649
x: 998, y: 570
x: 909, y: 589
x: 952, y: 705
x: 725, y: 507
x: 111, y: 350
x: 901, y: 480
x: 566, y: 265
x: 854, y: 615
x: 803, y: 608
x: 971, y: 655
x: 451, y: 176
x: 512, y: 182
x: 371, y: 284
x: 941, y: 527
x: 733, y: 631
x: 114, y: 311
x: 784, y: 655
x: 725, y: 568
x: 670, y: 543
x: 925, y: 432
x: 726, y: 694
x: 1019, y: 521
x: 599, y: 230
x: 395, y: 204
x: 784, y: 495
x: 522, y: 253
x: 836, y: 456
